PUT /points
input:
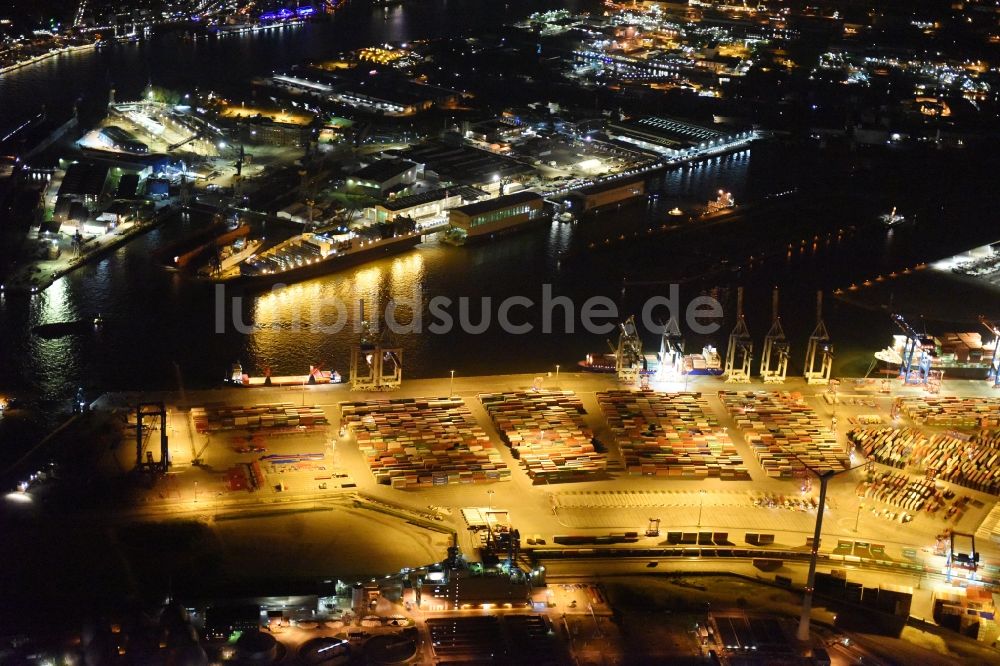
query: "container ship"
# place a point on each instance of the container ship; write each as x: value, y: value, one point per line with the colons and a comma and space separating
x: 315, y: 376
x: 708, y: 362
x: 311, y: 254
x: 61, y: 329
x: 608, y: 363
x: 599, y: 363
x: 964, y: 355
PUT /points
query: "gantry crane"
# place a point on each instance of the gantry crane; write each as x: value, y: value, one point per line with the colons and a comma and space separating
x: 819, y: 353
x: 151, y: 410
x: 916, y: 356
x: 671, y: 356
x: 994, y: 372
x: 628, y: 353
x: 964, y: 558
x: 739, y: 355
x: 774, y: 357
x: 376, y: 361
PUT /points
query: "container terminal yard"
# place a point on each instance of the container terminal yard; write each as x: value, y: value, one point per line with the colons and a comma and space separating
x: 588, y: 470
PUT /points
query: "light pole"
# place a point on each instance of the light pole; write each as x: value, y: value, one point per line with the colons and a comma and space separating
x: 557, y: 371
x: 489, y: 493
x: 701, y: 505
x: 857, y: 521
x: 451, y: 385
x: 824, y: 477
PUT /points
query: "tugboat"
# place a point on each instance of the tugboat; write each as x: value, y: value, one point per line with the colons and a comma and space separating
x: 722, y: 204
x: 891, y: 218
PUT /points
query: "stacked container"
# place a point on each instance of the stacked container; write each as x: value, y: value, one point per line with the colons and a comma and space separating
x: 952, y: 412
x: 670, y: 435
x: 784, y: 432
x: 546, y: 432
x: 277, y: 417
x: 423, y: 442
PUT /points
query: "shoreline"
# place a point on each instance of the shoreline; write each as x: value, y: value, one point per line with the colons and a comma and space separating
x: 47, y: 56
x: 116, y: 240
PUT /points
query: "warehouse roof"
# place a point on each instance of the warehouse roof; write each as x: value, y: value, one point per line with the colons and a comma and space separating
x: 498, y: 203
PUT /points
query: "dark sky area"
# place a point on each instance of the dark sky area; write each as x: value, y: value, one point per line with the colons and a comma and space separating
x: 37, y: 11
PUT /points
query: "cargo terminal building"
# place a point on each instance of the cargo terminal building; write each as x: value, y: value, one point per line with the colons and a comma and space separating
x: 503, y: 213
x: 607, y: 193
x: 675, y: 139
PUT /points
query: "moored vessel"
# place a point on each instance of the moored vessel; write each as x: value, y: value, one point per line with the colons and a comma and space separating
x: 892, y: 218
x: 317, y: 253
x: 708, y: 362
x: 228, y: 258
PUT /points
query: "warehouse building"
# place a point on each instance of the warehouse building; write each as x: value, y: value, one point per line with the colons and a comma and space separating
x: 387, y: 174
x: 116, y: 138
x: 676, y: 139
x: 429, y: 204
x: 494, y: 215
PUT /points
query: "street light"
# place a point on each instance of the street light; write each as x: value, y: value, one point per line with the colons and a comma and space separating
x: 701, y: 505
x: 489, y: 494
x: 557, y: 371
x: 451, y: 385
x: 857, y: 520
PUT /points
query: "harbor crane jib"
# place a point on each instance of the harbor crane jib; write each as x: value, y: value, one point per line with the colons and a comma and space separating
x: 774, y: 357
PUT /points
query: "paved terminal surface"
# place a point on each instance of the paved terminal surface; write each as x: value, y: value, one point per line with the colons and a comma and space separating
x: 612, y: 502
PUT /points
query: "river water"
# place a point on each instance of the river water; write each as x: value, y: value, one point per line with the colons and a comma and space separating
x: 162, y: 331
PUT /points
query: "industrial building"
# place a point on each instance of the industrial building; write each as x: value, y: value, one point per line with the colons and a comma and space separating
x: 676, y: 139
x: 385, y: 175
x: 429, y: 204
x: 499, y: 214
x: 459, y: 163
x: 387, y: 94
x: 608, y: 193
x: 87, y: 184
x: 116, y: 138
x: 456, y: 589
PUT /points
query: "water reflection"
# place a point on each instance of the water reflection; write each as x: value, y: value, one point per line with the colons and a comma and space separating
x: 315, y: 322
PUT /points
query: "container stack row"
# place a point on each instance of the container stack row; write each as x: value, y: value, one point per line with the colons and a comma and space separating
x: 951, y: 411
x: 973, y: 463
x: 275, y: 417
x: 889, y: 446
x: 546, y: 432
x: 784, y: 432
x: 670, y: 435
x: 899, y: 489
x: 423, y: 442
